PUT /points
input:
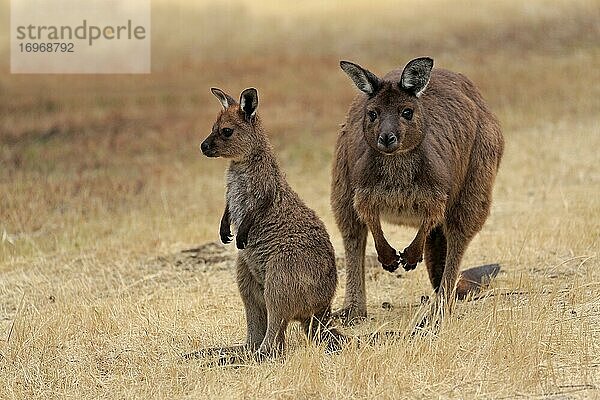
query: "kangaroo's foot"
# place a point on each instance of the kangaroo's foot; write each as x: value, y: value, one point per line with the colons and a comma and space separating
x: 429, y: 321
x: 220, y: 352
x: 350, y: 314
x: 428, y: 325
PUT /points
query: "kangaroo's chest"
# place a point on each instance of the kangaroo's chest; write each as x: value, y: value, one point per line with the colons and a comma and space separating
x: 402, y: 205
x: 241, y: 197
x: 398, y: 196
x: 402, y: 216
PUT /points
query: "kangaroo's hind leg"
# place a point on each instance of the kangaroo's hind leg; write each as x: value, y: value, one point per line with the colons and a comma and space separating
x: 435, y: 256
x: 253, y: 297
x: 274, y: 342
x: 256, y: 321
x: 354, y: 232
x: 280, y: 300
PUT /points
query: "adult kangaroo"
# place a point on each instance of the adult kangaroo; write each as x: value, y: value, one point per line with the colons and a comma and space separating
x: 421, y: 148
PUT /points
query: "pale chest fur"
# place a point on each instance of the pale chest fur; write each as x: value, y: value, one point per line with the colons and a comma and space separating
x: 399, y: 195
x: 241, y: 197
x: 396, y: 206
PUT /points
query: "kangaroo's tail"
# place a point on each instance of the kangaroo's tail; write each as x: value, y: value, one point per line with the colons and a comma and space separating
x: 473, y: 280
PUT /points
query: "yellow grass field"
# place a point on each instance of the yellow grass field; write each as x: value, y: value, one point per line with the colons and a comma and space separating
x: 103, y: 189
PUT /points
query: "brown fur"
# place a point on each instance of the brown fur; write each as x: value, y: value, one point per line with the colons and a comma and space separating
x: 286, y: 263
x: 436, y: 174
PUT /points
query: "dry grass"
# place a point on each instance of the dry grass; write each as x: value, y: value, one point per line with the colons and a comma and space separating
x: 102, y: 186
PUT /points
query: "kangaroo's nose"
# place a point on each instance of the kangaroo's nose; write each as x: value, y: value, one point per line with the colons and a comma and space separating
x: 204, y: 147
x: 387, y: 139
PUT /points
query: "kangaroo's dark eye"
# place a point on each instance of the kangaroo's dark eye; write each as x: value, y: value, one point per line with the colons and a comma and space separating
x: 227, y: 132
x: 407, y: 114
x: 372, y: 115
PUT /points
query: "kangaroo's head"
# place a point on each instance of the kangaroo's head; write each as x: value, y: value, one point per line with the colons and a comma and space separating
x: 392, y: 115
x: 235, y: 132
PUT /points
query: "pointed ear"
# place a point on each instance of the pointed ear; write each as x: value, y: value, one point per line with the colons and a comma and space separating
x: 225, y: 99
x: 249, y: 102
x: 364, y: 79
x: 415, y: 75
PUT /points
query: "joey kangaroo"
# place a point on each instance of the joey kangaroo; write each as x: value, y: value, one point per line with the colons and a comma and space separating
x: 286, y: 264
x: 421, y: 148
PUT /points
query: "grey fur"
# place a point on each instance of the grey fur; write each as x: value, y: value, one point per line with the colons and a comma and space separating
x: 286, y: 264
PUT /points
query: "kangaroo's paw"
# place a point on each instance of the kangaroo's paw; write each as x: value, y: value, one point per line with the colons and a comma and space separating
x: 226, y: 237
x: 390, y: 261
x: 409, y: 259
x: 241, y: 241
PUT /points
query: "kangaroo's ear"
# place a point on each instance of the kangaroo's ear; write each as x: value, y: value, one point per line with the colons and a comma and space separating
x: 225, y: 99
x: 364, y: 79
x: 415, y: 75
x: 249, y: 102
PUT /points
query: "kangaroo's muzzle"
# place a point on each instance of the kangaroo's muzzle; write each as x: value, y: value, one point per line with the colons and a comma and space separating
x: 207, y: 149
x: 387, y: 142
